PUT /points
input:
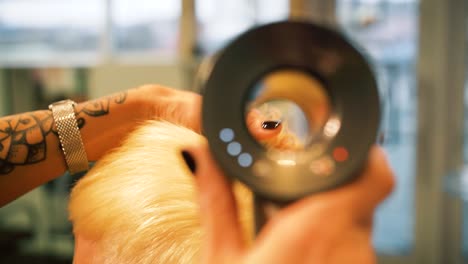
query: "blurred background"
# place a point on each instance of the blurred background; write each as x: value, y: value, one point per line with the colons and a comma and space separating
x: 81, y: 49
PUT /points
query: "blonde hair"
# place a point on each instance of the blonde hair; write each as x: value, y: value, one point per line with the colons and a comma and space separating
x: 139, y: 202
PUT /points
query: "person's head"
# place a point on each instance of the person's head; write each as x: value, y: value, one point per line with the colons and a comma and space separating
x: 138, y: 204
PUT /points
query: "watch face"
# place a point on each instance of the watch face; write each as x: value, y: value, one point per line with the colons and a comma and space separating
x: 310, y: 82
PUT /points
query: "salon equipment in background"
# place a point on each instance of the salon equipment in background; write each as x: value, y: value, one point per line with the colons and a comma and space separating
x: 315, y: 82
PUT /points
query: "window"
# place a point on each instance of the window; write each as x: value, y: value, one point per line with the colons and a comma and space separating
x: 220, y: 21
x: 80, y: 32
x: 145, y: 27
x: 50, y: 31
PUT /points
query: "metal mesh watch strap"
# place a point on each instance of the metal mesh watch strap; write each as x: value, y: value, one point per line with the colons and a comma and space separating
x: 69, y: 135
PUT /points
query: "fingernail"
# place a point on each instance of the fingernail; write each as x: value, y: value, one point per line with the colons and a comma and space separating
x: 189, y: 161
x: 271, y: 124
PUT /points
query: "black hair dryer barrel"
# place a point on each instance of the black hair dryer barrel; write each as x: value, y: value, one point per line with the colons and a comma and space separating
x: 319, y: 89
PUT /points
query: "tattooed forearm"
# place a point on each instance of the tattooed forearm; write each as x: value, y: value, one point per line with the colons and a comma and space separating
x: 23, y: 139
x: 23, y: 136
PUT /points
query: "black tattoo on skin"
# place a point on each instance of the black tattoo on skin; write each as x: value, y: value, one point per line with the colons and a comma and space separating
x: 23, y: 137
x: 99, y: 107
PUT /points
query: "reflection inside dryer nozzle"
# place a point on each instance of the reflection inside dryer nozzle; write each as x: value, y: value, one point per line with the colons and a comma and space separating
x: 292, y: 105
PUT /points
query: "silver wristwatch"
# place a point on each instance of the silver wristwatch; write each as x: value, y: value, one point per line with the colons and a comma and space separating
x: 73, y: 149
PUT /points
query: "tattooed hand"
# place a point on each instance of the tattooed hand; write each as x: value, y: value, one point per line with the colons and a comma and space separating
x: 99, y: 107
x: 30, y: 153
x: 176, y: 106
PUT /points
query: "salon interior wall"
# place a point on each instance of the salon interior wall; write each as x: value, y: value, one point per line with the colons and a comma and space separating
x: 110, y: 78
x: 17, y: 95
